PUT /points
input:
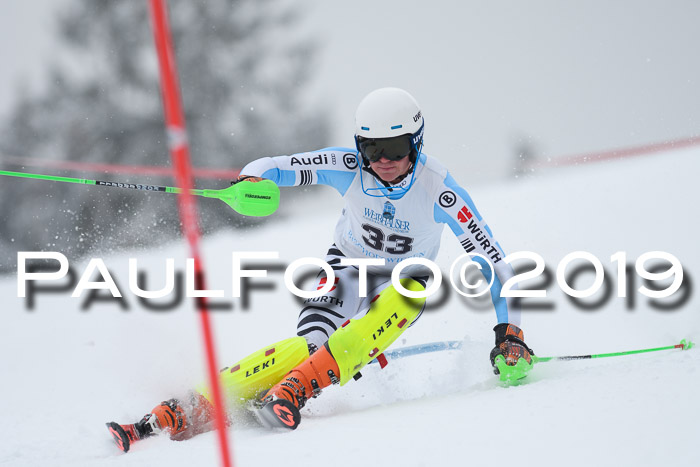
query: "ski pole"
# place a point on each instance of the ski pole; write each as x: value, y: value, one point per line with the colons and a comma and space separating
x: 246, y: 197
x: 683, y: 345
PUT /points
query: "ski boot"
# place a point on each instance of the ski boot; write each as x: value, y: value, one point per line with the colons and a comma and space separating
x: 169, y: 417
x: 279, y: 406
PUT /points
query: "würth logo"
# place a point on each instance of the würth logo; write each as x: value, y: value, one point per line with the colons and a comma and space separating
x: 464, y: 214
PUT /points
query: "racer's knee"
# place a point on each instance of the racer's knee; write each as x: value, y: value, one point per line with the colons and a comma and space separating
x: 360, y: 340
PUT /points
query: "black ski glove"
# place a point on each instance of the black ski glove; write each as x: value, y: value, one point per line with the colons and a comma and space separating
x: 510, y: 344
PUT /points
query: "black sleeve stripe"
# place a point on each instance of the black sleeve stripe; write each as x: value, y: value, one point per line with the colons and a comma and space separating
x: 468, y: 245
x: 306, y: 177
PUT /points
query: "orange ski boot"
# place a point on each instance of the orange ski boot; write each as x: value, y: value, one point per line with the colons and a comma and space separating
x: 279, y: 407
x: 169, y: 417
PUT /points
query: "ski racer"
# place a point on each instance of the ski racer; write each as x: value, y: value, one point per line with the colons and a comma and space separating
x: 397, y: 201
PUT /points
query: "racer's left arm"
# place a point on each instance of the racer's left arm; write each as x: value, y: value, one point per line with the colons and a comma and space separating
x: 455, y: 208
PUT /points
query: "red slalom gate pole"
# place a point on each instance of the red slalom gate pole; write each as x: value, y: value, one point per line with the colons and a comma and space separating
x: 179, y: 153
x: 619, y: 153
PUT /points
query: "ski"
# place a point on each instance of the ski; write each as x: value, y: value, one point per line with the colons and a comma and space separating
x: 419, y: 349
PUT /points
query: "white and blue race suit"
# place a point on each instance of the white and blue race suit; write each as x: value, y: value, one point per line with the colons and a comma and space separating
x: 396, y: 226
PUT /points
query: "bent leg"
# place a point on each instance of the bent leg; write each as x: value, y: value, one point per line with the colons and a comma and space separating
x: 347, y: 351
x: 361, y: 340
x: 260, y: 370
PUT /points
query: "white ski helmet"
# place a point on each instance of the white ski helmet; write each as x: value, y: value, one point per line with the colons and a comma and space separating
x: 388, y: 123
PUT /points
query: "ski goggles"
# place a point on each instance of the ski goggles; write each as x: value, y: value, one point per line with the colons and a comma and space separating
x: 393, y: 149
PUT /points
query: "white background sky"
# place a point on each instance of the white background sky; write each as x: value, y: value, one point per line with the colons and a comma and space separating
x: 570, y: 77
x: 573, y: 76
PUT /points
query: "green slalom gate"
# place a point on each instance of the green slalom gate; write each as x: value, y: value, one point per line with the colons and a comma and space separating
x: 249, y: 198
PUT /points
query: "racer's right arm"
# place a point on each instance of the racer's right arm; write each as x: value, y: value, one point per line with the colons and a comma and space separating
x: 336, y: 167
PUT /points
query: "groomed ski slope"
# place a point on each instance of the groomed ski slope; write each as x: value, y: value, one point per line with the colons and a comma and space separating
x: 65, y: 372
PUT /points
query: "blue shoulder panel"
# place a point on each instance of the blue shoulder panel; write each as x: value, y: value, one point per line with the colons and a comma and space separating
x: 440, y: 215
x: 338, y: 179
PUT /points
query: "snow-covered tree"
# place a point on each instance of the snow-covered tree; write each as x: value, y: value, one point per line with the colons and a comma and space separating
x: 242, y: 66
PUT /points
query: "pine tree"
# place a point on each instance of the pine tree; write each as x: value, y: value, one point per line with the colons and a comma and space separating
x: 242, y: 68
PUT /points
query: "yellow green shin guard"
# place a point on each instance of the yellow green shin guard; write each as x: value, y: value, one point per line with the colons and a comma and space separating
x: 361, y: 340
x: 260, y: 370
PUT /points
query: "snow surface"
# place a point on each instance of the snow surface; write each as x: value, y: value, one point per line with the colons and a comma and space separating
x: 65, y: 372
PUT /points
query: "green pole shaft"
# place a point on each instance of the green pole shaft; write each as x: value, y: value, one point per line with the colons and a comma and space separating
x: 84, y: 181
x: 683, y: 346
x: 48, y: 177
